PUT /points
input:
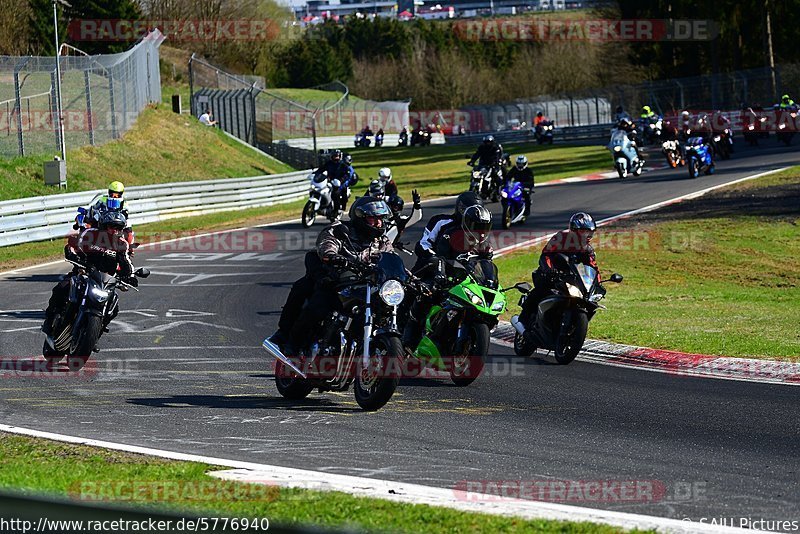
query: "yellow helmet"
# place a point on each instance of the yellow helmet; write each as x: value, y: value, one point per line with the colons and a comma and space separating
x: 646, y: 109
x: 116, y: 189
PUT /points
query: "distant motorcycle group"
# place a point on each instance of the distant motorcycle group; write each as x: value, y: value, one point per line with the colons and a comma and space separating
x: 419, y: 136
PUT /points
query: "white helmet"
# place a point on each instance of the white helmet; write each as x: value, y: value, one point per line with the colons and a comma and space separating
x: 522, y: 162
x: 385, y: 174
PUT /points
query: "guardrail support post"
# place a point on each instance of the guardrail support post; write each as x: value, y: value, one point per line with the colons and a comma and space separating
x: 18, y: 111
x: 114, y: 129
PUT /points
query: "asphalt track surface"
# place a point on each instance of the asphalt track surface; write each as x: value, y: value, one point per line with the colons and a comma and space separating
x: 182, y: 370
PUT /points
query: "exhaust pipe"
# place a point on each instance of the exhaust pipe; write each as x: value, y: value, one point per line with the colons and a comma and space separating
x: 276, y: 352
x: 518, y: 326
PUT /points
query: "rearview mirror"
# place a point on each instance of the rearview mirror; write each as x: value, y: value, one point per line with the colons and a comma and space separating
x: 134, y: 246
x: 142, y: 272
x: 616, y: 278
x: 523, y: 287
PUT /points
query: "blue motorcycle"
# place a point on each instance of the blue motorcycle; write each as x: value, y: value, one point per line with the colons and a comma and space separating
x: 698, y: 157
x: 513, y: 202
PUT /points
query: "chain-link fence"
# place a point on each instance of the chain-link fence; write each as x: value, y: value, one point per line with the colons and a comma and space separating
x: 101, y: 97
x: 267, y: 118
x: 729, y: 91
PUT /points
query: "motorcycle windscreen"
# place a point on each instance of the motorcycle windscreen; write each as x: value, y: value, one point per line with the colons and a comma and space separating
x: 618, y: 138
x: 484, y: 272
x: 390, y: 267
x: 587, y: 274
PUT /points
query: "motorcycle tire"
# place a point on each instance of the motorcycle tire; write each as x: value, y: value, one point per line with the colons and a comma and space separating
x: 522, y: 347
x: 290, y: 386
x: 52, y: 355
x: 694, y: 167
x: 309, y: 214
x: 466, y: 369
x: 710, y: 170
x: 372, y: 393
x: 568, y: 347
x: 621, y: 171
x: 81, y: 349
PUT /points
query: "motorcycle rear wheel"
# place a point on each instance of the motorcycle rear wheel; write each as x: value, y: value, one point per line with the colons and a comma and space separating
x: 568, y: 346
x: 309, y: 214
x: 374, y: 387
x: 289, y: 385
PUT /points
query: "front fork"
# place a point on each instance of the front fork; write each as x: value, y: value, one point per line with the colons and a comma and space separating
x: 367, y: 328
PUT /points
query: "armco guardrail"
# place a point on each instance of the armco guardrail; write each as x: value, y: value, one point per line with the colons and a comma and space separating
x: 49, y: 217
x: 567, y: 133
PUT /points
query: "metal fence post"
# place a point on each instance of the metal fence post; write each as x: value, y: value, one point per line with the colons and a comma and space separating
x: 89, y: 116
x: 18, y: 111
x: 191, y: 88
x: 113, y: 106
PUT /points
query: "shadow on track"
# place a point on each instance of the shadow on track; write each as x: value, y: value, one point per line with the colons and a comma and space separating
x: 247, y: 402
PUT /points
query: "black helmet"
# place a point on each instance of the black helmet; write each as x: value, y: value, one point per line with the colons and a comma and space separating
x: 476, y: 223
x: 582, y: 221
x: 539, y: 114
x: 465, y: 200
x: 376, y: 189
x: 113, y: 220
x: 619, y: 109
x: 348, y: 159
x: 368, y: 216
x: 488, y: 139
x: 336, y: 155
x: 396, y: 203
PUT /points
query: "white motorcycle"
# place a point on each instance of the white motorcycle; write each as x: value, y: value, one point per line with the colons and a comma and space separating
x: 624, y: 153
x: 320, y: 199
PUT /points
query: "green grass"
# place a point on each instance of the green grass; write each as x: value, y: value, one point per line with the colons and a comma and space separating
x: 41, y: 466
x: 161, y: 147
x: 717, y: 275
x: 440, y: 170
x: 314, y: 97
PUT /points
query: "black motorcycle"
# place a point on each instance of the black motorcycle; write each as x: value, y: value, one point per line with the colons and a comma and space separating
x: 360, y: 344
x: 562, y: 318
x: 421, y: 137
x: 786, y: 125
x: 544, y: 132
x: 93, y: 304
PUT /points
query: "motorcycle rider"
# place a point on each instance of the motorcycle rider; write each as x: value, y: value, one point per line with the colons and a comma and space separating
x: 576, y: 241
x: 627, y: 126
x: 335, y: 168
x: 341, y: 194
x: 424, y: 249
x: 341, y: 246
x: 400, y: 221
x: 786, y: 103
x: 470, y: 233
x: 539, y: 119
x: 620, y: 114
x: 385, y: 176
x: 524, y: 175
x: 647, y: 118
x: 103, y: 247
x: 489, y: 154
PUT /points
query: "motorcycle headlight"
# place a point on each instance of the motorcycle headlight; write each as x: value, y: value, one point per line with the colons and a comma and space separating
x: 101, y: 295
x: 751, y: 127
x: 717, y: 138
x: 475, y: 299
x: 574, y: 291
x: 517, y: 193
x: 503, y: 194
x: 499, y: 306
x: 392, y: 292
x: 596, y: 297
x: 617, y: 148
x: 781, y: 126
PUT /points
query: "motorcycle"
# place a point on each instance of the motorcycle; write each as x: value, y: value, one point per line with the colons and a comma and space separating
x: 320, y: 199
x: 785, y: 132
x: 359, y: 346
x: 379, y: 140
x: 722, y: 143
x: 484, y: 183
x: 753, y: 128
x: 698, y: 157
x: 562, y: 318
x: 671, y: 149
x: 513, y: 202
x: 625, y: 158
x: 421, y: 137
x: 402, y: 139
x: 93, y: 303
x: 457, y: 328
x: 651, y: 129
x: 361, y: 140
x: 544, y: 132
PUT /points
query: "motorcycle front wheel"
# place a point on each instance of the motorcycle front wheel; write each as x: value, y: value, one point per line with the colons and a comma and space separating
x: 506, y: 217
x: 570, y: 343
x: 81, y: 348
x: 465, y: 368
x: 522, y: 347
x: 375, y: 385
x: 309, y: 214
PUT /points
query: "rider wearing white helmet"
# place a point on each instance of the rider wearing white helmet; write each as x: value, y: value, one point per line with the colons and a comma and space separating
x: 523, y: 174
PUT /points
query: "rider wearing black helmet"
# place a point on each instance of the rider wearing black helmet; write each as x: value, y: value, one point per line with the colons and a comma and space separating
x: 104, y: 248
x: 340, y: 247
x: 573, y: 242
x: 488, y: 153
x: 424, y: 249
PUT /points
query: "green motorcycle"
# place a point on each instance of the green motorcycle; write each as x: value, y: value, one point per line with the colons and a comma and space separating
x: 457, y: 327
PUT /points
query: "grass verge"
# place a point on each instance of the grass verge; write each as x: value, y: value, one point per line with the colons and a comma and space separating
x: 440, y: 170
x: 716, y: 275
x: 161, y: 147
x: 65, y: 470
